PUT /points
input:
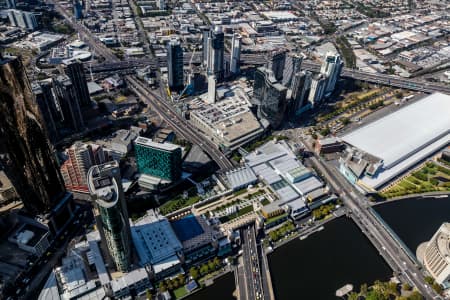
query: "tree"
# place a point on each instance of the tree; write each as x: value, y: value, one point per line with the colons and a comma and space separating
x: 193, y: 271
x: 181, y: 279
x: 406, y: 287
x: 216, y: 262
x: 148, y: 294
x: 429, y: 279
x: 363, y: 289
x: 211, y: 265
x: 326, y: 131
x: 345, y: 121
x: 352, y: 296
x: 399, y: 95
x: 169, y: 284
x: 204, y: 269
x: 437, y: 287
x: 175, y: 283
x: 162, y: 287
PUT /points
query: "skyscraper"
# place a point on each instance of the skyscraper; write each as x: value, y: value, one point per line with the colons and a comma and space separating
x: 291, y: 67
x: 78, y: 9
x: 10, y: 3
x: 25, y: 153
x: 175, y: 65
x: 318, y: 85
x: 331, y: 68
x: 211, y: 89
x: 22, y: 19
x: 105, y: 187
x: 235, y: 54
x: 301, y: 84
x: 161, y: 160
x: 205, y: 47
x: 75, y: 71
x: 69, y: 103
x: 270, y: 97
x: 81, y: 158
x: 215, y: 53
x: 276, y: 62
x: 44, y: 98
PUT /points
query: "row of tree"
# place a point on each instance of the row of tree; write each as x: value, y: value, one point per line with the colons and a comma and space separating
x: 206, y: 268
x: 323, y: 211
x: 172, y: 284
x: 385, y: 291
x: 280, y: 232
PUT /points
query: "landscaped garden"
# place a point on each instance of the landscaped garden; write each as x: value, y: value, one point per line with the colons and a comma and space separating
x: 431, y: 177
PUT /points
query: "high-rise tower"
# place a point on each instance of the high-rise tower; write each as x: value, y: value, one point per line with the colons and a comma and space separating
x: 270, y: 97
x: 331, y: 69
x: 292, y: 66
x: 276, y: 62
x: 69, y: 103
x: 25, y: 153
x: 46, y: 101
x: 105, y: 187
x: 235, y: 54
x: 215, y: 53
x: 318, y: 86
x: 301, y: 84
x: 75, y: 71
x: 175, y: 65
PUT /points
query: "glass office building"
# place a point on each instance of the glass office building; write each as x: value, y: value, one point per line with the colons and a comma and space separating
x: 161, y: 160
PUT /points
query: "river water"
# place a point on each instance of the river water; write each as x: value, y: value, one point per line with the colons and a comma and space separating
x: 316, y: 267
x: 415, y: 220
x: 222, y: 289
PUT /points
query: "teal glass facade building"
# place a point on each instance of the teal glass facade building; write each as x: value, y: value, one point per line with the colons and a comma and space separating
x: 162, y: 160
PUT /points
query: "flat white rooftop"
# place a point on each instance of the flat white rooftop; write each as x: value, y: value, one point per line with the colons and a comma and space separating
x: 161, y: 146
x: 405, y: 137
x: 399, y: 135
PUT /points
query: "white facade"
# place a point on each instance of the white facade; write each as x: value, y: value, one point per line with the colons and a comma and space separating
x: 22, y: 19
x: 235, y: 54
x: 211, y: 89
x: 331, y: 69
x: 436, y: 256
x: 318, y: 85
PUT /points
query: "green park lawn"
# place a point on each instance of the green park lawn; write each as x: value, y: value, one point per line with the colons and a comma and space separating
x: 430, y: 178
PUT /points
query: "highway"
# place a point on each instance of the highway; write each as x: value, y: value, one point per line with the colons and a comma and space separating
x: 363, y: 215
x: 258, y: 59
x: 179, y: 124
x: 159, y: 105
x: 252, y: 270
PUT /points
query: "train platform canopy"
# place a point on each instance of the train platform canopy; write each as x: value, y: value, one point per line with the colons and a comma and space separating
x: 404, y: 137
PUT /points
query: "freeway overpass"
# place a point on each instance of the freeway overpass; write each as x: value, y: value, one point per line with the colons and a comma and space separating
x: 160, y: 105
x: 257, y: 59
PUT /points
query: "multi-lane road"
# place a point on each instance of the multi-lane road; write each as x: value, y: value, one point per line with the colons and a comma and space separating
x: 180, y: 125
x: 391, y: 249
x: 159, y: 105
x: 252, y: 270
x: 254, y: 59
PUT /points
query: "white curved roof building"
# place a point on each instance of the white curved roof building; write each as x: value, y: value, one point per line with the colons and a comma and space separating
x: 436, y: 258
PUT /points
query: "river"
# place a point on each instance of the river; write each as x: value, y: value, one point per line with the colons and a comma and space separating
x: 316, y: 267
x: 415, y: 220
x: 222, y: 289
